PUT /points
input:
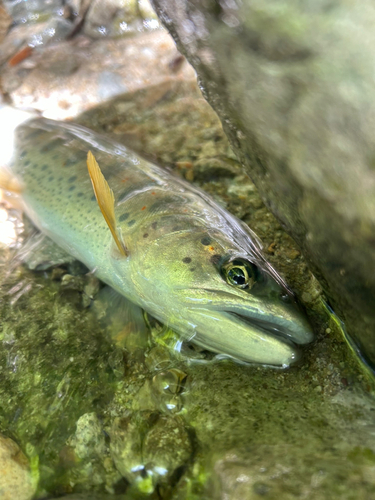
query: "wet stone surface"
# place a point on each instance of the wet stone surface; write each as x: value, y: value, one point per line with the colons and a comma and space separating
x: 65, y: 79
x: 16, y: 479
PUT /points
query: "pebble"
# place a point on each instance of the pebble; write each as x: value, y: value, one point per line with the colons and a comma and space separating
x: 15, y: 475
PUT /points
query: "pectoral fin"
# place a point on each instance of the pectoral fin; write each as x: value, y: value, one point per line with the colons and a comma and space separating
x: 106, y: 200
x: 9, y: 183
x: 122, y: 319
x: 10, y: 190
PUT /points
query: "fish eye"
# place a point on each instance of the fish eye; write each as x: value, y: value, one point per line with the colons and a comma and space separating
x: 240, y: 273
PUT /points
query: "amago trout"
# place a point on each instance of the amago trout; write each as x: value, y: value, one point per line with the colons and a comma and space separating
x: 178, y: 255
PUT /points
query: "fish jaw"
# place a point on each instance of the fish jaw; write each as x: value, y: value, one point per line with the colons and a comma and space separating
x: 255, y: 330
x: 272, y: 314
x: 227, y: 334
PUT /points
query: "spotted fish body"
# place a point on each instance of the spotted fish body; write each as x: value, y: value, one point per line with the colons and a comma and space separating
x: 178, y: 240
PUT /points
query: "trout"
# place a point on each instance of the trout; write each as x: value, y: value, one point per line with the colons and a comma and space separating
x: 158, y: 241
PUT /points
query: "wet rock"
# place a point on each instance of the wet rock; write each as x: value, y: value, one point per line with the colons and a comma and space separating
x: 250, y: 476
x: 149, y: 450
x: 112, y: 18
x: 54, y: 30
x: 92, y: 286
x: 16, y: 481
x: 89, y: 437
x: 86, y: 458
x: 294, y: 89
x: 70, y: 282
x: 35, y: 10
x: 126, y: 447
x: 167, y: 448
x: 5, y: 22
x: 74, y: 70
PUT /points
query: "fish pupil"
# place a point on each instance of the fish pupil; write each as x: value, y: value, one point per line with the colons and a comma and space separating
x: 237, y: 276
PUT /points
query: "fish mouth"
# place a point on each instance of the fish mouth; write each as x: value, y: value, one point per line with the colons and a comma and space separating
x: 282, y: 320
x: 267, y: 327
x: 237, y: 336
x: 262, y: 330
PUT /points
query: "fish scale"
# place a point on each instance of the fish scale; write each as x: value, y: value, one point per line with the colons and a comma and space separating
x: 181, y: 245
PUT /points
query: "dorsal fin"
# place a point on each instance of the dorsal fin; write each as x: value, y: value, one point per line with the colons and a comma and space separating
x: 106, y: 200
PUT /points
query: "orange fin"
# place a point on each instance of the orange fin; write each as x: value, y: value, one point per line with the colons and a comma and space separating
x: 106, y: 200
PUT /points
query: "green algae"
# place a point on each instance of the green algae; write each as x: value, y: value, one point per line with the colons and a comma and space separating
x: 53, y: 363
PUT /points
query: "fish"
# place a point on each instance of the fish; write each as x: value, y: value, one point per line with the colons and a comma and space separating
x: 158, y: 241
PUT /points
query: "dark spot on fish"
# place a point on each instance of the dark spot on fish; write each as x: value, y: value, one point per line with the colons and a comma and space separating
x: 72, y: 188
x: 33, y: 134
x: 145, y: 235
x: 93, y: 198
x: 154, y: 225
x: 206, y: 240
x: 131, y: 223
x: 192, y: 269
x: 78, y: 156
x: 44, y: 167
x: 72, y: 178
x: 215, y: 259
x: 69, y: 162
x: 80, y: 194
x: 161, y: 205
x: 49, y: 146
x: 51, y: 177
x: 124, y: 194
x: 176, y: 228
x: 23, y: 153
x: 124, y: 216
x: 186, y: 260
x: 26, y: 163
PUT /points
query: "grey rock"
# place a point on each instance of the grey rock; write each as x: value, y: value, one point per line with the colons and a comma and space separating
x: 114, y: 18
x: 32, y: 10
x: 293, y: 86
x: 110, y: 84
x: 54, y: 30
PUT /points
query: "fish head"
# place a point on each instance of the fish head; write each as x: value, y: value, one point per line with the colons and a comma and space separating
x: 222, y: 294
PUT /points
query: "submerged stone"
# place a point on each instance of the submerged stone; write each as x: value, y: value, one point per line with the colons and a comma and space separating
x: 16, y: 481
